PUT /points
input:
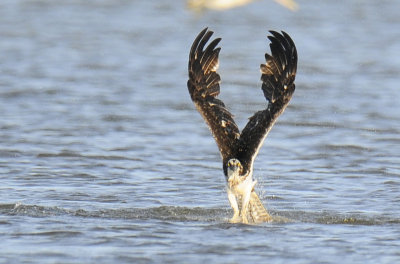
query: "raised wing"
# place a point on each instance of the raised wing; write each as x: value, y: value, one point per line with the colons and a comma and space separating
x: 278, y: 75
x: 203, y: 85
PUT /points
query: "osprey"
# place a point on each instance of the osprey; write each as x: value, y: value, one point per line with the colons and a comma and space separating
x: 238, y: 150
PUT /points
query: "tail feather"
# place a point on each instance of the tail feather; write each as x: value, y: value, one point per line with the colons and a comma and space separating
x: 256, y: 212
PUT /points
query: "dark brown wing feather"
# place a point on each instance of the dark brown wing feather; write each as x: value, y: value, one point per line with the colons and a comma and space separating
x: 278, y: 75
x: 203, y: 85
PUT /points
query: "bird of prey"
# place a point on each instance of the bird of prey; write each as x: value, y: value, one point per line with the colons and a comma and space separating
x: 198, y: 5
x: 238, y: 150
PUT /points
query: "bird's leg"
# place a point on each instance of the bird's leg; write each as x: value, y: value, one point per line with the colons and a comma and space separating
x: 245, y: 205
x: 232, y: 199
x: 246, y: 200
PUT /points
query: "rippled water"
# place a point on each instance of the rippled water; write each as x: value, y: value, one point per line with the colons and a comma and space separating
x: 104, y: 158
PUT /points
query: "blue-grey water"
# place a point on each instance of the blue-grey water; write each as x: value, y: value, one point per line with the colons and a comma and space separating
x: 104, y: 159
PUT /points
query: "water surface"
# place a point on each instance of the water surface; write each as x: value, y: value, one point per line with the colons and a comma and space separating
x: 105, y: 159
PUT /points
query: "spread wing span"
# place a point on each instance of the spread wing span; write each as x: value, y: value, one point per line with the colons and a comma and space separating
x: 277, y: 76
x: 203, y: 85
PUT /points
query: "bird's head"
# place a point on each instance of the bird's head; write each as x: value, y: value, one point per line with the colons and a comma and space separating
x: 235, y: 169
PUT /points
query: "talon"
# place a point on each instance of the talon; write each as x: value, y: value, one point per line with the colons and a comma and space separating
x: 235, y: 219
x: 244, y: 219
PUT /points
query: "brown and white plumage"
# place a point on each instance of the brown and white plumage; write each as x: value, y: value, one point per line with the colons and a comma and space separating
x: 278, y: 75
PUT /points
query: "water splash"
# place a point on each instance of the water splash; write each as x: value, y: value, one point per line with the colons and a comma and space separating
x: 196, y: 214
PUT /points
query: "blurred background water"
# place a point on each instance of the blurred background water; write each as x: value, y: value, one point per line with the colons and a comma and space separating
x: 103, y: 157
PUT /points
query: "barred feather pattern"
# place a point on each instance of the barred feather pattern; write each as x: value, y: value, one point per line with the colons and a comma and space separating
x: 256, y: 212
x: 277, y: 75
